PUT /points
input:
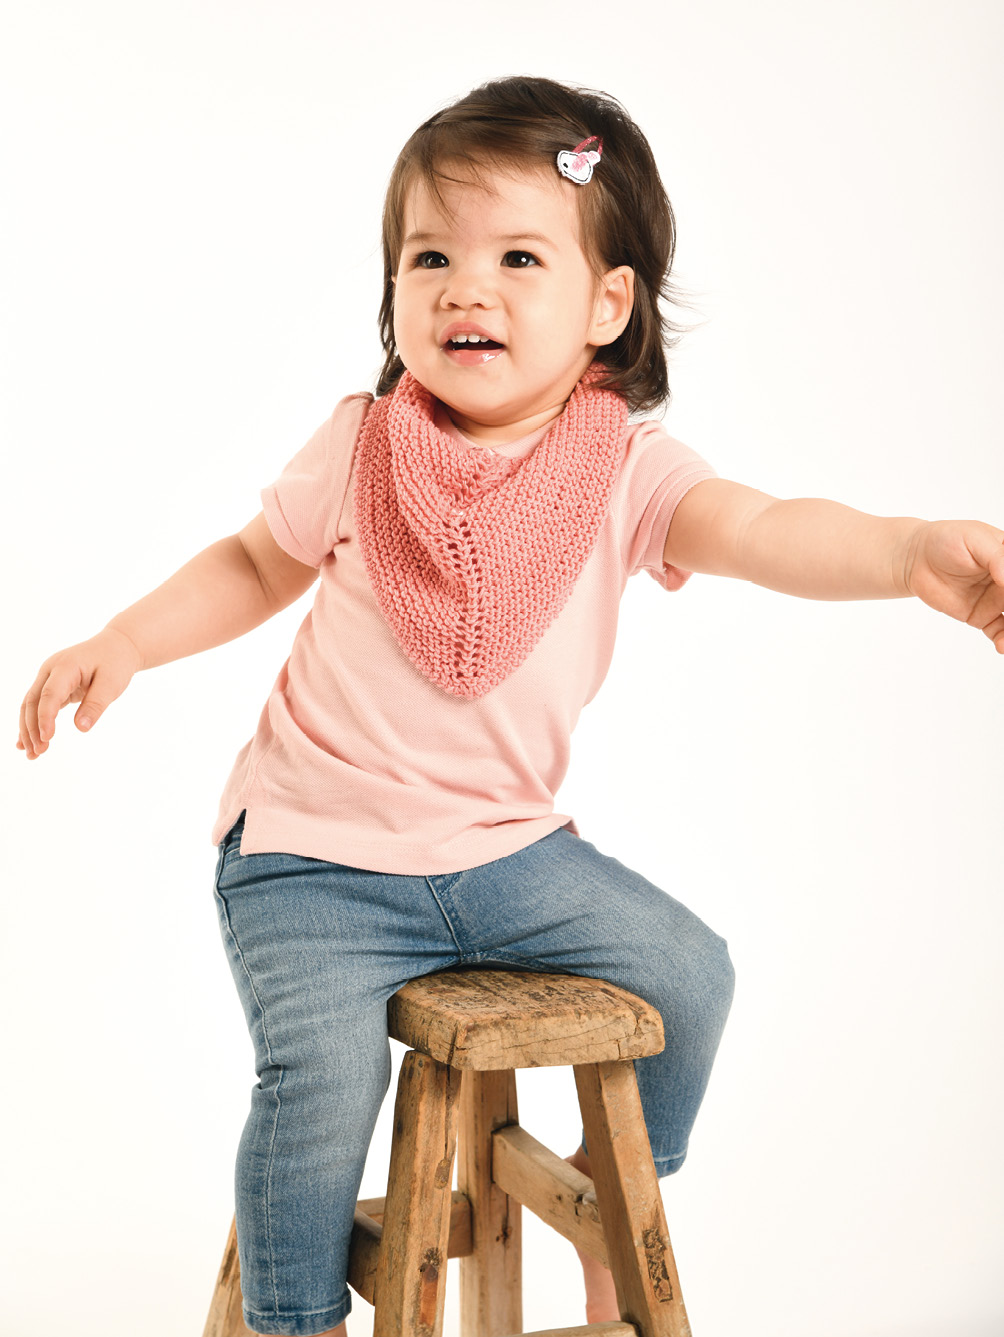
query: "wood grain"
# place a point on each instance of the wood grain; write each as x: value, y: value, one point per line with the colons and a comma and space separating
x: 491, y: 1292
x: 555, y: 1191
x: 226, y: 1313
x: 615, y: 1329
x: 627, y: 1193
x: 494, y: 1019
x: 410, y: 1287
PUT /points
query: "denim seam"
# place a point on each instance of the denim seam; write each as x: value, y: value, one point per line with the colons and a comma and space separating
x: 442, y: 911
x: 544, y: 967
x: 278, y: 1100
x: 297, y: 1313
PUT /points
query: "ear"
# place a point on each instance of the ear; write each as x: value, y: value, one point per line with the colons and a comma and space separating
x: 613, y: 306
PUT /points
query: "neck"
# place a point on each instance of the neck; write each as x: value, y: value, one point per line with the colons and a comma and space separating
x: 494, y: 434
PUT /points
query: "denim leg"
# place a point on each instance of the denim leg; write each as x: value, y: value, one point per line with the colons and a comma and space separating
x: 315, y: 949
x: 561, y: 905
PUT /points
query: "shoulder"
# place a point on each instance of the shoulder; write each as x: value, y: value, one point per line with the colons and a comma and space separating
x: 348, y: 416
x: 648, y: 434
x: 652, y: 455
x: 332, y: 444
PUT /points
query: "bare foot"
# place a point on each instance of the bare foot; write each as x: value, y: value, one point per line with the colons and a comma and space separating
x: 601, y: 1295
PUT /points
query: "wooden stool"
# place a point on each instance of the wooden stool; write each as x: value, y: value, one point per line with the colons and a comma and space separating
x: 468, y: 1030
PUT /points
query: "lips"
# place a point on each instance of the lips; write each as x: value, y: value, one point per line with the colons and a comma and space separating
x: 466, y: 327
x: 471, y: 355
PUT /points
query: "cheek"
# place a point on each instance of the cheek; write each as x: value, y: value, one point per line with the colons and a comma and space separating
x: 406, y: 305
x: 556, y: 326
x: 401, y: 316
x: 552, y: 305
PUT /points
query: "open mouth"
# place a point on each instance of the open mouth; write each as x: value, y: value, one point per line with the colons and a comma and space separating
x: 470, y: 352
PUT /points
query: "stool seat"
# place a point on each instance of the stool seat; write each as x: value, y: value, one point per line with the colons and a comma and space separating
x: 487, y: 1020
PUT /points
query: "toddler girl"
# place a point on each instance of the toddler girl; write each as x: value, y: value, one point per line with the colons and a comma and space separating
x: 473, y: 526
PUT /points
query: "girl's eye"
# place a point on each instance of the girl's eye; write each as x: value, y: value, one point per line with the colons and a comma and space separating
x: 522, y: 256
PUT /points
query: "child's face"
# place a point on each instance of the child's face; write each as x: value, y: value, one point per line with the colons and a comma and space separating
x: 536, y: 296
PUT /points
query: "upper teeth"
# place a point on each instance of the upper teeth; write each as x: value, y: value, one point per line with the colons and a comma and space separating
x: 471, y: 339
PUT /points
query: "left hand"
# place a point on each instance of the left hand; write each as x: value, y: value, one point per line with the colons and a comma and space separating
x: 957, y: 567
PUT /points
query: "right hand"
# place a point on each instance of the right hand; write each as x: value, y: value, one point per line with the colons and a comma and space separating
x: 94, y: 672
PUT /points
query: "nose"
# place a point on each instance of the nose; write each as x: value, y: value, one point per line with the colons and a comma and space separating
x: 466, y: 285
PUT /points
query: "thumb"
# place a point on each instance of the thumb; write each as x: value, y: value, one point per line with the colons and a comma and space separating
x: 105, y: 686
x: 90, y: 710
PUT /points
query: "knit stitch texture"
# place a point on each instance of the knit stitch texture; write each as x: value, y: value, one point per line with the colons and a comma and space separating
x: 471, y: 555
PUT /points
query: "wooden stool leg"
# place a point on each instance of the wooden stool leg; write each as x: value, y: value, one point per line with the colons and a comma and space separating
x: 628, y: 1198
x: 491, y: 1280
x: 410, y: 1287
x: 226, y: 1315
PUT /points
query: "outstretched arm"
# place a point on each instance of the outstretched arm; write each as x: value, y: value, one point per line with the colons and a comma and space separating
x: 820, y: 549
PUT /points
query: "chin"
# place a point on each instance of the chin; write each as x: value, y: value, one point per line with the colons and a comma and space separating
x: 465, y: 388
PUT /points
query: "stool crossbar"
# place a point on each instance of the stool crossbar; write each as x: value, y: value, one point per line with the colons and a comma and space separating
x: 468, y: 1030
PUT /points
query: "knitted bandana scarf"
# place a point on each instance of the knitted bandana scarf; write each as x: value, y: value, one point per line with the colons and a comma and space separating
x: 471, y: 555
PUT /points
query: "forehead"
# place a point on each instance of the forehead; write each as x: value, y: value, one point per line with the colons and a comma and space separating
x: 519, y: 201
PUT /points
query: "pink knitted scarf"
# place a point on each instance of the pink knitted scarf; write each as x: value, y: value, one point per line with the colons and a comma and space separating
x: 471, y: 555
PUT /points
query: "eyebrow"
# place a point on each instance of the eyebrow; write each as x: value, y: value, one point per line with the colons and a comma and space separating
x: 518, y: 236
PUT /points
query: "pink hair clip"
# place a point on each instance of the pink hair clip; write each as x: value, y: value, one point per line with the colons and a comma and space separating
x: 578, y: 166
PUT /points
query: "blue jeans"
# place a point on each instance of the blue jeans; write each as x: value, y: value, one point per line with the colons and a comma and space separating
x: 316, y: 949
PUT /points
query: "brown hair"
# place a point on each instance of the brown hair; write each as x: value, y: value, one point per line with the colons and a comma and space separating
x: 625, y: 215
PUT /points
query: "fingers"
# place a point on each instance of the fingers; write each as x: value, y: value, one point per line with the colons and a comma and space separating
x: 34, y: 738
x: 49, y: 703
x: 50, y: 691
x: 95, y: 672
x: 29, y: 737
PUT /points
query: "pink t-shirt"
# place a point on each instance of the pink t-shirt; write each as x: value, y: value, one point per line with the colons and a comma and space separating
x: 358, y: 758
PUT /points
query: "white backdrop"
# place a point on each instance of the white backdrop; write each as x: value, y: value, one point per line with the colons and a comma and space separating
x: 191, y: 276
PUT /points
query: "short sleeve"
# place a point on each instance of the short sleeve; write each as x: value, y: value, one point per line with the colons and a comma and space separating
x: 304, y: 505
x: 659, y: 471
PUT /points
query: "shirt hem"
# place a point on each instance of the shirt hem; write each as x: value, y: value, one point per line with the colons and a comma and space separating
x: 267, y: 831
